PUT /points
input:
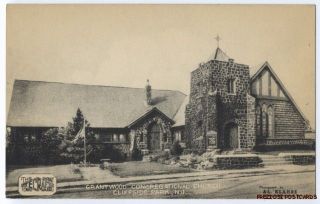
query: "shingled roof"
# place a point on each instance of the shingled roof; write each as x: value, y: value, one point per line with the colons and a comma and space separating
x: 179, y: 118
x: 51, y: 104
x: 219, y: 55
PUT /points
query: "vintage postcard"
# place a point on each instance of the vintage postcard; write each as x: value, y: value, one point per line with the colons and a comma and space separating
x: 160, y: 101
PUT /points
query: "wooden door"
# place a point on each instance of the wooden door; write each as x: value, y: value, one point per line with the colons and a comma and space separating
x: 231, y: 136
x: 154, y: 137
x: 234, y: 137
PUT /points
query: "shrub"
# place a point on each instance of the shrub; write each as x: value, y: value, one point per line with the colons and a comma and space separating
x: 76, y: 171
x: 160, y: 156
x: 161, y: 160
x: 186, y: 151
x: 176, y: 148
x: 101, y: 166
x: 136, y: 154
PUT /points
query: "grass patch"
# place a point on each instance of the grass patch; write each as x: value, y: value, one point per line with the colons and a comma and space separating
x: 139, y: 168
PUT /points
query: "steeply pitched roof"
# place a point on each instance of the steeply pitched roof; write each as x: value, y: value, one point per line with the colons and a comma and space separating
x: 51, y: 104
x: 255, y: 68
x: 179, y: 118
x: 266, y: 66
x: 219, y: 55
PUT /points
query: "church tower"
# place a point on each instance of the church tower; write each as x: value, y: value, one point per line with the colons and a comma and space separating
x: 220, y: 113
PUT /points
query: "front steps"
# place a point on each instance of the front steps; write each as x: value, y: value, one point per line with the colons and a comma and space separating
x: 272, y: 160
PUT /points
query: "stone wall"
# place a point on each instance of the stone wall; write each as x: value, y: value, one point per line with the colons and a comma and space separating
x: 201, y: 117
x: 211, y: 107
x: 299, y: 158
x: 236, y: 161
x: 250, y: 140
x: 287, y: 141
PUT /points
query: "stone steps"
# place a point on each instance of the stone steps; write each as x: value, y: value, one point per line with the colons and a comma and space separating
x: 274, y: 160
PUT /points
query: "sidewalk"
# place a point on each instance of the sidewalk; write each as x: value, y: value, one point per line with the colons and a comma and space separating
x: 179, y: 177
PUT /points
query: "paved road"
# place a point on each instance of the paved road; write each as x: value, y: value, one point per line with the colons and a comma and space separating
x: 242, y: 187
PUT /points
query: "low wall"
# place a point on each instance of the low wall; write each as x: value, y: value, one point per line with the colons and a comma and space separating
x: 289, y: 141
x: 237, y: 161
x: 285, y: 144
x: 299, y: 158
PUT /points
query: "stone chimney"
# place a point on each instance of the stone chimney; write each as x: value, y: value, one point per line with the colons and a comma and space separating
x: 148, y: 93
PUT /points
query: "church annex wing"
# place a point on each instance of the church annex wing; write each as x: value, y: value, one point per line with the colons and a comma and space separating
x: 266, y: 84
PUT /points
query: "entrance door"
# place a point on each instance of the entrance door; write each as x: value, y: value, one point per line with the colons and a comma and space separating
x: 154, y: 137
x: 231, y: 136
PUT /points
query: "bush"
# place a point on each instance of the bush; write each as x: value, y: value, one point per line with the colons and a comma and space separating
x: 136, y: 154
x: 186, y: 151
x: 101, y: 166
x: 160, y: 156
x: 76, y: 171
x: 176, y: 148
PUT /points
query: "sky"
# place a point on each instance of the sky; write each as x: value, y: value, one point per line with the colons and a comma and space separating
x: 124, y: 45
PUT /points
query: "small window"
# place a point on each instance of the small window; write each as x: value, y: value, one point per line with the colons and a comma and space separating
x: 33, y: 138
x: 26, y: 138
x: 178, y: 136
x: 165, y: 138
x: 96, y: 136
x: 107, y: 137
x: 231, y: 86
x: 270, y: 121
x: 258, y: 120
x: 264, y: 121
x: 122, y: 138
x: 115, y: 138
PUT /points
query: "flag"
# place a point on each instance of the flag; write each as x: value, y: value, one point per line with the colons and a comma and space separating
x: 80, y: 134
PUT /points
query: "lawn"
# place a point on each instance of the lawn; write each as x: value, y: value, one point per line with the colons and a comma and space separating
x: 139, y: 168
x: 63, y: 173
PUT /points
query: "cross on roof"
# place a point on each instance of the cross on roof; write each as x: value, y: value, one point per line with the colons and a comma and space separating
x: 217, y: 39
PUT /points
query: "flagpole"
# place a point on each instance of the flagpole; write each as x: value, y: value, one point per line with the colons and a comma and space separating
x: 84, y: 139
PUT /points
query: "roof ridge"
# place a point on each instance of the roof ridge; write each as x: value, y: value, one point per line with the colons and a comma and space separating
x: 221, y: 52
x: 219, y: 55
x: 94, y: 85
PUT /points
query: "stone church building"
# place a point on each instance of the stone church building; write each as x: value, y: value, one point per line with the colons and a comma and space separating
x: 230, y: 109
x: 227, y: 108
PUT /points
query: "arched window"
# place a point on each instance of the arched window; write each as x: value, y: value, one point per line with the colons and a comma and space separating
x: 231, y: 88
x: 258, y: 121
x: 270, y: 121
x: 264, y: 121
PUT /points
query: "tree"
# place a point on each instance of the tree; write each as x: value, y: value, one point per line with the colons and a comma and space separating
x: 75, y: 151
x: 78, y: 122
x: 50, y: 142
x: 176, y: 149
x: 10, y: 147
